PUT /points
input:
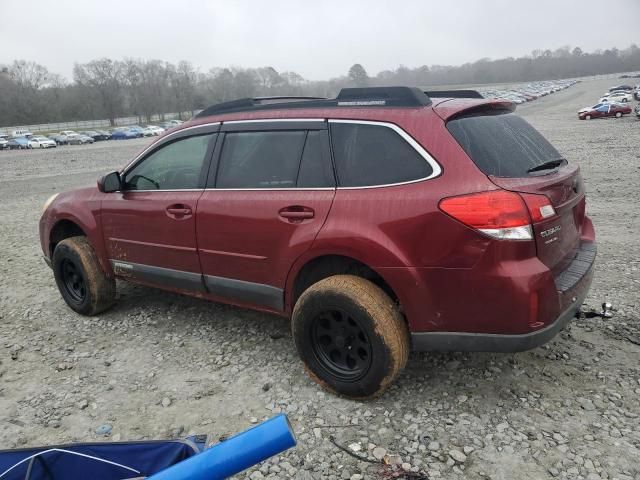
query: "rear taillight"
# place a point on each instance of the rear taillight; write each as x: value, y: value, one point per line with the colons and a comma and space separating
x: 499, y: 213
x: 539, y: 206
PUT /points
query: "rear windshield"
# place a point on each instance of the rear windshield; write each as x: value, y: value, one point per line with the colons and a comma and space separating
x: 502, y: 144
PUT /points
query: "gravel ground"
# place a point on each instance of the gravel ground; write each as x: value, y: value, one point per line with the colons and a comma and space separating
x: 160, y: 365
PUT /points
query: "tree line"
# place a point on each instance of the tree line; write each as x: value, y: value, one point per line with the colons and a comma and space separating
x: 107, y: 89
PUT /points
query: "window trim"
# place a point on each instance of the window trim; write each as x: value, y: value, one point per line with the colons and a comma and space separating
x: 215, y: 157
x: 167, y: 140
x: 435, y: 166
x: 205, y: 127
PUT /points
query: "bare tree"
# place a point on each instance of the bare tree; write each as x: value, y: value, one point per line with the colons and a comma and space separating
x: 105, y: 78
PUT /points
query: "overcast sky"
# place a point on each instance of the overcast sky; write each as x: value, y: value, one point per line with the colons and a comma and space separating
x: 318, y: 39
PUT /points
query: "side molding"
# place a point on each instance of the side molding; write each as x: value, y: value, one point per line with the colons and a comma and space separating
x: 232, y: 289
x: 158, y: 275
x: 246, y: 292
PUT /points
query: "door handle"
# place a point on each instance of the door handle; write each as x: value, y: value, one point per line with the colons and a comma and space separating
x: 296, y: 213
x: 178, y: 211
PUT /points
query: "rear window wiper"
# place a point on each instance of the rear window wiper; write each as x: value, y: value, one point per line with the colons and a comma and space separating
x: 547, y: 165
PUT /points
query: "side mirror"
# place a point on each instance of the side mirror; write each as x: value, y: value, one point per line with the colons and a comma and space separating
x: 111, y: 182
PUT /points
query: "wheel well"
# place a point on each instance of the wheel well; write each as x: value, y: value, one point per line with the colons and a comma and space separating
x: 329, y: 265
x: 61, y: 230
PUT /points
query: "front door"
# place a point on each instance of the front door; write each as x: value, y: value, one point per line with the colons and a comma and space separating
x: 149, y: 226
x: 272, y: 193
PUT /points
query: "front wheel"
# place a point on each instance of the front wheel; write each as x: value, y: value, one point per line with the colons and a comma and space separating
x: 588, y: 117
x: 80, y: 278
x: 618, y: 114
x: 351, y: 336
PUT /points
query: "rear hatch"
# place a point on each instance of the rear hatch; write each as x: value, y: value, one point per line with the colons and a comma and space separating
x: 516, y: 157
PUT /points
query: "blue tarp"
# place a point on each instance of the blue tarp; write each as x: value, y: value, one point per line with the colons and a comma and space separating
x: 118, y: 460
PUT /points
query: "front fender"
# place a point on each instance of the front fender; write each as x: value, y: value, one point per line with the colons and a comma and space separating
x: 82, y: 207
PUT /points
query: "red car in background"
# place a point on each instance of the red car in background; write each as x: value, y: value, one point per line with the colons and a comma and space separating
x: 607, y: 110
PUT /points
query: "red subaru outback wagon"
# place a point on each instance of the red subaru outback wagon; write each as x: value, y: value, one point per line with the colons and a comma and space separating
x: 384, y: 220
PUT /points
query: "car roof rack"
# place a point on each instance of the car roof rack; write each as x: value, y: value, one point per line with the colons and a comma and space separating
x: 453, y: 94
x: 348, y: 97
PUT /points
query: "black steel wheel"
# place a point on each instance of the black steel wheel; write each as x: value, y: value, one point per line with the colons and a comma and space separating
x: 80, y: 278
x: 73, y: 280
x: 350, y: 335
x: 341, y: 345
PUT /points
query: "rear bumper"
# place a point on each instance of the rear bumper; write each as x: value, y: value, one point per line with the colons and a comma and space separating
x: 572, y: 286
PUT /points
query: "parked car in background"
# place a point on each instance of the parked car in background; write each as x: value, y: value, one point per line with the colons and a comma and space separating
x: 4, y: 142
x: 152, y: 130
x: 66, y: 133
x: 626, y: 88
x: 123, y: 133
x: 607, y: 110
x: 618, y: 96
x: 18, y: 143
x: 59, y: 139
x: 97, y: 136
x: 138, y: 130
x: 586, y: 109
x: 78, y: 139
x: 39, y: 141
x: 104, y: 134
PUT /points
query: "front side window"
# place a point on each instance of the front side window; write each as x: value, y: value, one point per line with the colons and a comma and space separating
x: 268, y: 159
x: 370, y: 155
x: 175, y: 166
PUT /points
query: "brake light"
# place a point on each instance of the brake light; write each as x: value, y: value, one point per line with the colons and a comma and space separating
x: 539, y: 206
x: 500, y: 214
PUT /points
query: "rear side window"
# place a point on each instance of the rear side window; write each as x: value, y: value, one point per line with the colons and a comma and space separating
x: 370, y: 155
x: 502, y: 144
x: 260, y: 159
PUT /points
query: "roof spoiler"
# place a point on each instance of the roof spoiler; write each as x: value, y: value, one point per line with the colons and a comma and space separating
x: 453, y: 94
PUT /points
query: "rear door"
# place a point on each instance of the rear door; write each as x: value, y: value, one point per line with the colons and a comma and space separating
x: 512, y: 153
x: 263, y: 207
x: 149, y: 226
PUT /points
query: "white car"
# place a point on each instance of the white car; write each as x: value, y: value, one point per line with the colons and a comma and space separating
x: 4, y: 142
x: 67, y: 133
x: 618, y: 96
x: 42, y: 142
x: 153, y: 130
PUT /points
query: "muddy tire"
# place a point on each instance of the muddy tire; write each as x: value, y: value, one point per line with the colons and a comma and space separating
x: 351, y: 336
x: 80, y: 278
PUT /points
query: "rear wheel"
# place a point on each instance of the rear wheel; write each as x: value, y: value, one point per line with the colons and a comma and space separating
x: 80, y: 278
x: 618, y: 114
x: 350, y: 336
